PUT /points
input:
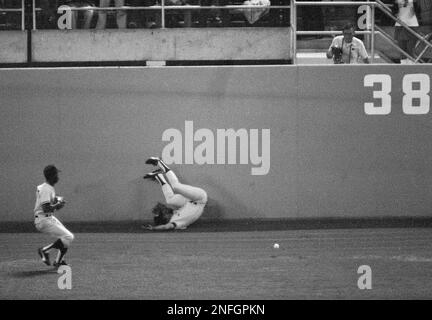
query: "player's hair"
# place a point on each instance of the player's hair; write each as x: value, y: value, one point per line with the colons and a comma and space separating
x: 50, y: 172
x: 162, y: 214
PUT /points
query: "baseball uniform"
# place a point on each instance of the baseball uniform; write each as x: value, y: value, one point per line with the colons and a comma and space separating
x: 46, y: 222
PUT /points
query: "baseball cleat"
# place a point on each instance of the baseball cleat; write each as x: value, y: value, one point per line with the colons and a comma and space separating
x: 59, y: 264
x: 153, y: 161
x: 152, y: 175
x: 44, y: 256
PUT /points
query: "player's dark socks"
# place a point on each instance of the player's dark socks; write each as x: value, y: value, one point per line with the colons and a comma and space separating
x: 47, y: 248
x: 62, y: 263
x: 163, y: 166
x: 160, y: 178
x: 61, y: 255
x: 55, y: 245
x: 152, y: 175
x: 44, y: 256
x: 58, y: 245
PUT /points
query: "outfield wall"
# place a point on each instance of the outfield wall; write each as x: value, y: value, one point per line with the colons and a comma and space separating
x: 326, y: 157
x: 13, y: 47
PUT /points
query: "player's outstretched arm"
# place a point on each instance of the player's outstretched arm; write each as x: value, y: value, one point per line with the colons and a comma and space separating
x: 162, y: 227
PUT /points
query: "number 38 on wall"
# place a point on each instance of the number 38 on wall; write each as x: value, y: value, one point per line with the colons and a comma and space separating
x: 415, y: 87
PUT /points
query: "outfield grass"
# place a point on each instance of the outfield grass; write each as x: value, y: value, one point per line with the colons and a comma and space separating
x: 310, y: 264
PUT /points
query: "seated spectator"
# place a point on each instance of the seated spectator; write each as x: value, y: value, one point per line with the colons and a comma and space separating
x: 176, y: 18
x: 143, y: 18
x: 405, y: 11
x: 120, y: 14
x: 213, y: 17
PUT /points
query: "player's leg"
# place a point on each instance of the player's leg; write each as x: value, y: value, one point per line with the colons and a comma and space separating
x: 190, y: 192
x: 42, y: 225
x: 188, y: 215
x: 171, y: 198
x: 65, y: 238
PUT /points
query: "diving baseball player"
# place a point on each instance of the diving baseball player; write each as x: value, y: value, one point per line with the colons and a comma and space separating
x: 188, y: 201
x: 46, y: 204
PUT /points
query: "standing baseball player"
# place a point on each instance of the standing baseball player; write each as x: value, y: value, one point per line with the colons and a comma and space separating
x: 46, y: 204
x: 188, y: 201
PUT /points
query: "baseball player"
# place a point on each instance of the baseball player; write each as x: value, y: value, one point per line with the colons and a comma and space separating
x: 188, y: 201
x: 46, y: 204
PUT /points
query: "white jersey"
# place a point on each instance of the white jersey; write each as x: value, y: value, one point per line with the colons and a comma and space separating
x: 49, y: 224
x: 45, y: 193
x: 407, y: 13
x: 353, y: 52
x: 187, y: 214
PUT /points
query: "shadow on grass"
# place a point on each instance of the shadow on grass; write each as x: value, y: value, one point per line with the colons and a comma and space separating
x: 32, y: 273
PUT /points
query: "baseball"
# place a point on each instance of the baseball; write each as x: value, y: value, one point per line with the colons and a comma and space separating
x: 60, y: 199
x: 276, y: 246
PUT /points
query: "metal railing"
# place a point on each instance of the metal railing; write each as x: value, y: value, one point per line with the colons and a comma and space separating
x: 163, y: 8
x: 21, y: 10
x: 374, y: 30
x: 371, y: 29
x: 422, y: 39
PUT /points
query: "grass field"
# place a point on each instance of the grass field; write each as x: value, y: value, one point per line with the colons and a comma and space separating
x: 310, y: 264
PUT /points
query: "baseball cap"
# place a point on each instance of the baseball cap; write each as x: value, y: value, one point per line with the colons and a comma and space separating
x: 50, y: 170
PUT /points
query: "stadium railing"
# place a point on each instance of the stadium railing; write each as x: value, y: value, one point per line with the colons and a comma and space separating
x: 21, y: 10
x: 372, y: 31
x: 164, y: 8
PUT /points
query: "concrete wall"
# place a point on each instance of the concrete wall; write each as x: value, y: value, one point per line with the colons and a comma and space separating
x: 328, y: 158
x: 161, y: 44
x: 13, y: 46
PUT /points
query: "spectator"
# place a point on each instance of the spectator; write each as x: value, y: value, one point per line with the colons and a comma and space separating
x: 120, y: 14
x: 174, y: 19
x: 143, y: 18
x: 405, y: 11
x: 87, y: 14
x: 425, y: 8
x: 347, y: 48
x: 213, y: 16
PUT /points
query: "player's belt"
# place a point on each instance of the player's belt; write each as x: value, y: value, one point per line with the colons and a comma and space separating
x: 42, y: 215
